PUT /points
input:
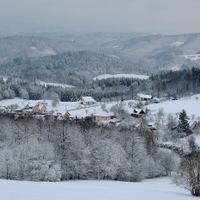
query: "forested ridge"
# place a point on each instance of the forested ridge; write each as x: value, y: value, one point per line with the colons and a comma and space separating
x: 170, y: 84
x: 74, y: 68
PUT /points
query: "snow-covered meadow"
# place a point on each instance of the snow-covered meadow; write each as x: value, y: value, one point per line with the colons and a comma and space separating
x: 191, y: 57
x: 105, y: 76
x: 56, y: 85
x: 155, y: 189
x: 191, y: 105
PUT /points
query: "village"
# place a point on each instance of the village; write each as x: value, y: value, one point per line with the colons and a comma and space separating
x: 137, y: 110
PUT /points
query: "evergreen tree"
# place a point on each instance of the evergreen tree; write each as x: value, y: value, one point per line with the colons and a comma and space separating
x: 183, y: 125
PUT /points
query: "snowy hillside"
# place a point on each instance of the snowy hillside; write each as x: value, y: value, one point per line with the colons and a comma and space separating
x: 56, y: 85
x: 190, y: 105
x: 192, y: 57
x: 105, y: 76
x: 155, y: 189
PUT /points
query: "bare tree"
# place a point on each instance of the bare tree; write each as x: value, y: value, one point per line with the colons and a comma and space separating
x: 51, y: 95
x: 188, y: 174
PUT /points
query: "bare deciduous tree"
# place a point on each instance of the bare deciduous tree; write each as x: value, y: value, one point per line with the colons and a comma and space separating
x: 188, y: 174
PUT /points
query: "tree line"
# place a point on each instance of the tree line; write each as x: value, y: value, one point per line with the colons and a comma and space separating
x: 48, y: 149
x: 171, y: 84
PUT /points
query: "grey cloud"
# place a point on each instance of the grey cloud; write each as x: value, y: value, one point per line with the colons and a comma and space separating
x: 171, y: 16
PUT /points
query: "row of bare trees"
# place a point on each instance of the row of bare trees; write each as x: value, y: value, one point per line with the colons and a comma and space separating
x: 47, y: 149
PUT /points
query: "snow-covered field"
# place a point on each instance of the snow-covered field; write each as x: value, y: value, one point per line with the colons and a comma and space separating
x: 105, y: 76
x: 192, y: 57
x: 176, y: 68
x: 152, y: 189
x: 56, y: 84
x: 47, y: 51
x: 177, y: 44
x: 190, y: 105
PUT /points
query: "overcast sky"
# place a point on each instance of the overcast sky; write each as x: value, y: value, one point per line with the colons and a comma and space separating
x: 160, y: 16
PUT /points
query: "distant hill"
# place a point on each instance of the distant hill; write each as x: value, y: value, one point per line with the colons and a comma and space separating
x: 29, y: 46
x: 154, y: 51
x: 74, y: 68
x: 158, y: 51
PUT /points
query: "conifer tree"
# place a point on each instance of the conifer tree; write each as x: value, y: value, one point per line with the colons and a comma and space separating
x: 183, y: 125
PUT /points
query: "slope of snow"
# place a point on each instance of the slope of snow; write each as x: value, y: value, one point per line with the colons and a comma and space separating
x: 47, y: 51
x: 116, y: 46
x: 190, y: 105
x: 105, y: 76
x: 155, y: 189
x: 176, y: 68
x: 56, y: 84
x: 191, y: 57
x: 113, y: 56
x: 177, y: 44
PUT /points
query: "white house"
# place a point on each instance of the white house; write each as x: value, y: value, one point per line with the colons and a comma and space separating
x: 102, y: 116
x: 142, y: 97
x: 87, y: 100
x: 193, y: 124
x: 139, y: 113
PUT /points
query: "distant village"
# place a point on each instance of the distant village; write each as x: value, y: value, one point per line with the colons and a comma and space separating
x: 40, y: 109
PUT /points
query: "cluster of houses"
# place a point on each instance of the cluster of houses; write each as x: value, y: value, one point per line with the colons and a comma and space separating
x: 97, y: 116
x: 84, y: 100
x: 42, y: 110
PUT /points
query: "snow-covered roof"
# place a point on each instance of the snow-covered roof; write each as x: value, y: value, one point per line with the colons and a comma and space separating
x: 104, y: 114
x: 192, y: 122
x: 40, y: 106
x: 138, y: 111
x: 137, y: 125
x: 19, y: 109
x: 144, y: 96
x: 151, y: 124
x: 88, y: 99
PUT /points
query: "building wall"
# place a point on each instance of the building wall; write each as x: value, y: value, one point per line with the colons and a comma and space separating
x: 43, y: 109
x: 101, y: 118
x: 36, y: 109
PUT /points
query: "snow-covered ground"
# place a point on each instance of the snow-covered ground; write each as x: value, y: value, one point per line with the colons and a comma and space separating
x: 154, y: 189
x: 47, y: 51
x: 177, y: 44
x: 191, y: 57
x: 176, y: 68
x: 190, y: 105
x: 105, y: 76
x: 56, y: 84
